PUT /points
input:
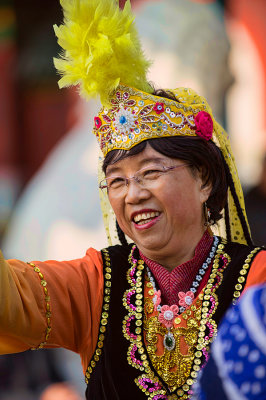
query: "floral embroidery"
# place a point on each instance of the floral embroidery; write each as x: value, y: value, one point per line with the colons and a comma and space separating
x: 167, y: 315
x: 159, y: 108
x: 97, y: 122
x: 204, y: 125
x: 186, y: 299
x: 125, y: 121
x: 200, y: 331
x: 157, y: 298
x: 135, y: 116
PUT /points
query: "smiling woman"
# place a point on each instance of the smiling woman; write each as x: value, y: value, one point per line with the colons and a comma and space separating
x: 169, y: 176
x: 170, y: 237
x: 166, y: 190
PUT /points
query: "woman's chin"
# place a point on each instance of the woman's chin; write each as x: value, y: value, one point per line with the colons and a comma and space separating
x: 150, y: 244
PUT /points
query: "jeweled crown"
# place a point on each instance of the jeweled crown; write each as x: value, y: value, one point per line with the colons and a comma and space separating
x: 135, y: 116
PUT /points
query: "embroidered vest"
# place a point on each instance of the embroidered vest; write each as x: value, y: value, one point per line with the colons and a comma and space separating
x: 127, y: 365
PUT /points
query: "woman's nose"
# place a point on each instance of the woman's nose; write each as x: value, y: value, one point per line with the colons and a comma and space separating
x: 135, y: 192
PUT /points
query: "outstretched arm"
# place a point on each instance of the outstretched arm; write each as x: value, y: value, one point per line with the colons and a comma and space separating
x: 51, y: 304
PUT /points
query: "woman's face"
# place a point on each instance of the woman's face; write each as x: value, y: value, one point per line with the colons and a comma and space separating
x: 166, y: 217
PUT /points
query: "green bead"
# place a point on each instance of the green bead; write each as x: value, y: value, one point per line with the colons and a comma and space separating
x: 169, y: 341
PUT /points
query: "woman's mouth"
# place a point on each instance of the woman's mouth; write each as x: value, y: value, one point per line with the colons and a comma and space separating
x: 144, y: 220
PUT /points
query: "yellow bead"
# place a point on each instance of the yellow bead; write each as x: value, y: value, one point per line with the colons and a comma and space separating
x: 243, y: 272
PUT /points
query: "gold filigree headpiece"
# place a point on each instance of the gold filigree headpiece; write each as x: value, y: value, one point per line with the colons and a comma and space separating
x: 135, y: 116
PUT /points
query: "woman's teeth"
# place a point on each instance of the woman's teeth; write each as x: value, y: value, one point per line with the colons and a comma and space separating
x: 144, y: 218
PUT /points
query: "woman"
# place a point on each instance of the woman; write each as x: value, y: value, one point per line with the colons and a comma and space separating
x: 141, y: 315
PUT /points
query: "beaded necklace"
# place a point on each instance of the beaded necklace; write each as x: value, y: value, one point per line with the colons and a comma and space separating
x: 167, y: 313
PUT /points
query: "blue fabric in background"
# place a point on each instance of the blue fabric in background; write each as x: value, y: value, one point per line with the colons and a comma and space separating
x: 236, y: 369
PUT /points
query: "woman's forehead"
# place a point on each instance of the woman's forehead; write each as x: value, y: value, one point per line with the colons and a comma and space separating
x: 135, y: 162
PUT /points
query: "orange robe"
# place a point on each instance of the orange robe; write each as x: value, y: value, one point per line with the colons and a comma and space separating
x: 65, y: 296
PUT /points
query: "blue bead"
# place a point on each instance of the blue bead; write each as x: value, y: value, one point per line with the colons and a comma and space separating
x: 122, y: 119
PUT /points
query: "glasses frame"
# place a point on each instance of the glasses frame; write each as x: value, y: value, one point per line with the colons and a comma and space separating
x: 136, y: 178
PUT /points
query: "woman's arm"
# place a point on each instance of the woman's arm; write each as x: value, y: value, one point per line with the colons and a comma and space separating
x: 257, y: 273
x: 51, y: 304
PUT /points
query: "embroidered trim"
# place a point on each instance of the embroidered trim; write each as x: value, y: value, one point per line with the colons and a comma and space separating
x: 243, y: 274
x: 47, y: 306
x: 104, y: 315
x: 135, y: 116
x: 148, y: 382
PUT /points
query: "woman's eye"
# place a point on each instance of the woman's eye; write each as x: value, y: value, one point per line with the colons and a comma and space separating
x: 150, y: 173
x: 116, y: 182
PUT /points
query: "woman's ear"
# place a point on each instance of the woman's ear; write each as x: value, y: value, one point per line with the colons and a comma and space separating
x: 206, y: 190
x: 206, y: 187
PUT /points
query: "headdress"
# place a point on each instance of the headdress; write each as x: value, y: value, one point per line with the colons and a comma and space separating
x: 103, y: 57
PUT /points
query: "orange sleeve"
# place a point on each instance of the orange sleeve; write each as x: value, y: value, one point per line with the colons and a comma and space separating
x: 52, y: 304
x: 257, y: 273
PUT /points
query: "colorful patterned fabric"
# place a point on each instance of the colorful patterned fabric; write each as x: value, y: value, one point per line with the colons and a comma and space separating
x: 237, y: 366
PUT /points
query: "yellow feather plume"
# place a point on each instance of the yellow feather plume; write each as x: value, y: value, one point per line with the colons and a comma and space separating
x: 101, y: 48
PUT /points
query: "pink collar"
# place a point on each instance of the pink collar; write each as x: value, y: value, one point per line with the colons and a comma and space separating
x: 182, y: 276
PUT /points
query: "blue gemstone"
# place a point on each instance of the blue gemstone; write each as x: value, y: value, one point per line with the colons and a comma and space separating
x: 122, y: 119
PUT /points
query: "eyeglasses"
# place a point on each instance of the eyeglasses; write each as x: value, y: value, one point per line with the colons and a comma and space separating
x: 146, y: 178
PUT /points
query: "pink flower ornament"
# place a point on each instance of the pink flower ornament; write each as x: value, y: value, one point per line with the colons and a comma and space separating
x: 159, y: 108
x: 168, y: 314
x: 204, y: 125
x: 156, y: 299
x: 186, y: 299
x: 97, y: 122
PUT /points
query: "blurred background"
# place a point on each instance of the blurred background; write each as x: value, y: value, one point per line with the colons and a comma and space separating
x: 49, y: 205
